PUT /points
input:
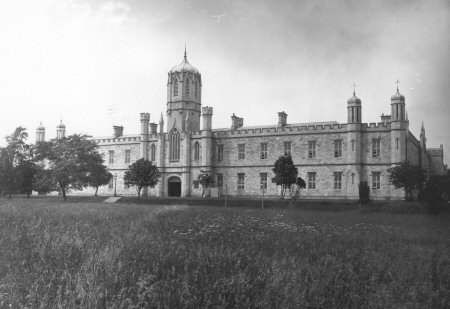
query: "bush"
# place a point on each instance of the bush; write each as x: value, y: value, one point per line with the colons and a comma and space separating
x: 364, y: 192
x: 434, y: 194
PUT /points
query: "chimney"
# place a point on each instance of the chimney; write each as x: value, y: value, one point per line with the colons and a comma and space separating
x: 282, y: 117
x: 153, y: 128
x: 385, y: 118
x: 236, y: 122
x: 118, y: 131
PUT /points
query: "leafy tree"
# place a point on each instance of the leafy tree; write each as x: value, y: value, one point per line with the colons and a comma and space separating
x: 25, y: 172
x: 14, y: 154
x: 43, y: 181
x: 99, y: 176
x: 436, y: 193
x: 142, y: 174
x: 205, y: 180
x: 285, y: 173
x: 70, y: 161
x: 295, y: 192
x: 409, y: 177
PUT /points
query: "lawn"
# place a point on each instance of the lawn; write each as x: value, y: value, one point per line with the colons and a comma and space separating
x: 94, y: 255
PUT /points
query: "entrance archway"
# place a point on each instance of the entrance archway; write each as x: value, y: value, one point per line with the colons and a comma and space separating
x: 174, y: 186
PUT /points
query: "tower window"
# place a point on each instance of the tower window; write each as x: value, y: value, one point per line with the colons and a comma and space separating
x: 287, y: 148
x: 311, y: 149
x: 396, y: 143
x: 196, y: 151
x: 175, y: 88
x: 353, y: 145
x: 376, y: 147
x: 196, y: 90
x: 338, y: 180
x: 338, y: 148
x: 186, y: 87
x: 127, y: 156
x: 174, y: 146
x: 152, y: 152
x: 219, y: 152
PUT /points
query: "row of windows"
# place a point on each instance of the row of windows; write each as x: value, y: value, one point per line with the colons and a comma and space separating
x: 312, y: 146
x: 311, y: 180
x: 187, y: 87
x: 111, y: 155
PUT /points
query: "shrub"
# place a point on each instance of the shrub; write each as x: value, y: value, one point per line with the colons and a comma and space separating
x: 364, y: 192
x: 434, y: 194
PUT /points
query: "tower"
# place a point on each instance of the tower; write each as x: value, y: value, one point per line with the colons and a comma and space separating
x: 40, y: 133
x: 399, y: 128
x: 145, y: 119
x: 354, y: 108
x: 184, y: 97
x: 61, y: 130
x: 207, y: 113
x: 354, y: 143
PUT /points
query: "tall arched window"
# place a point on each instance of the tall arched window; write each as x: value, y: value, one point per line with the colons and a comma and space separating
x: 175, y: 87
x: 196, y: 90
x: 196, y: 151
x: 186, y: 87
x: 152, y: 153
x: 174, y: 145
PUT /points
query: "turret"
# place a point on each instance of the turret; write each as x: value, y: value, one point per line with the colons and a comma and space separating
x: 207, y: 113
x: 145, y: 119
x: 354, y: 143
x: 398, y: 106
x: 399, y: 128
x: 423, y: 139
x: 354, y: 109
x: 282, y: 119
x: 117, y: 131
x: 40, y: 133
x: 161, y: 124
x: 61, y: 130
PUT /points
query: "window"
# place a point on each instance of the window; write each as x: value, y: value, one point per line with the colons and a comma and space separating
x: 338, y: 180
x: 219, y: 152
x: 353, y: 145
x: 311, y: 180
x: 196, y: 184
x: 241, y: 151
x: 240, y: 181
x: 263, y: 181
x: 111, y: 183
x: 263, y: 153
x: 338, y: 148
x: 196, y: 151
x: 396, y: 143
x: 287, y: 148
x: 186, y: 88
x: 152, y: 153
x: 376, y: 147
x: 220, y: 181
x: 175, y: 88
x: 311, y: 149
x: 196, y: 89
x: 376, y: 180
x: 174, y: 146
x: 127, y: 156
x: 111, y: 157
x: 353, y: 178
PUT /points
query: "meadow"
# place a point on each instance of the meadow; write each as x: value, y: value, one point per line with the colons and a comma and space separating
x: 94, y: 255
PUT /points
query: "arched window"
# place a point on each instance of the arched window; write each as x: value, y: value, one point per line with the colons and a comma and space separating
x: 175, y: 87
x: 196, y: 90
x: 152, y: 153
x: 196, y: 151
x: 174, y: 144
x: 186, y: 87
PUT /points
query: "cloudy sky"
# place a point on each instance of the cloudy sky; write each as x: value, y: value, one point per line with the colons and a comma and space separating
x: 100, y: 63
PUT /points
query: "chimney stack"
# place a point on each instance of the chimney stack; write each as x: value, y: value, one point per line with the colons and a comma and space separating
x: 118, y: 131
x: 236, y: 122
x: 282, y: 118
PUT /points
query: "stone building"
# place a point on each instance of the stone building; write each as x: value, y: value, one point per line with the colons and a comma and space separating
x: 332, y: 157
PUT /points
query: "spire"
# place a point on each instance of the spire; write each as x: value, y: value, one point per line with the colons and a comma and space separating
x: 406, y: 116
x: 185, y: 56
x: 161, y: 120
x: 354, y: 88
x: 397, y: 82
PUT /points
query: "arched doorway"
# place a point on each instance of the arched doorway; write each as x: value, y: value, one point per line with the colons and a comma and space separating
x: 174, y: 186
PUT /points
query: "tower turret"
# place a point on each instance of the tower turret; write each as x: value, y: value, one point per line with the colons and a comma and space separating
x: 398, y: 106
x: 184, y: 96
x: 145, y: 119
x: 40, y: 133
x: 61, y: 130
x: 354, y: 108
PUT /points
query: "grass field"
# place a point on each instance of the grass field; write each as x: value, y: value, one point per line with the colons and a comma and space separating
x: 94, y: 255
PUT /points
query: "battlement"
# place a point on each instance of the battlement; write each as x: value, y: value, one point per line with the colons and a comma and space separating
x: 125, y: 139
x: 145, y: 116
x: 376, y: 126
x: 206, y: 110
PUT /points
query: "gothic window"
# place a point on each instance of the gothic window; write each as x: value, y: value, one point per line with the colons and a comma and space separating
x: 174, y: 146
x: 175, y: 88
x: 376, y: 180
x: 186, y: 88
x: 196, y: 151
x: 311, y: 180
x: 337, y: 148
x: 196, y: 90
x: 241, y: 151
x: 127, y: 156
x: 111, y: 157
x: 219, y: 152
x: 287, y: 148
x: 263, y: 181
x: 338, y: 180
x: 152, y: 153
x: 376, y: 147
x: 353, y: 145
x: 396, y: 143
x: 311, y: 149
x: 263, y: 154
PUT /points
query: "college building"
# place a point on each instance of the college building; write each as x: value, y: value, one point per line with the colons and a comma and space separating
x: 331, y: 157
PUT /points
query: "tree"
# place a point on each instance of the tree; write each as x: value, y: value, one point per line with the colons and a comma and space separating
x: 142, y: 174
x: 409, y: 177
x: 16, y: 152
x: 205, y: 180
x: 99, y: 176
x: 295, y: 193
x: 43, y: 181
x: 285, y: 173
x: 70, y: 161
x: 25, y: 172
x: 436, y: 192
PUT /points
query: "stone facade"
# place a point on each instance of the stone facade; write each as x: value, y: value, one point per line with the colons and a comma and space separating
x: 332, y: 158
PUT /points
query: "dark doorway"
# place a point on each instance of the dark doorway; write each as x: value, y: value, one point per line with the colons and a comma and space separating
x: 174, y: 186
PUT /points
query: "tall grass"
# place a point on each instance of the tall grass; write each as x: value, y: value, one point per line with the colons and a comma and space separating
x: 91, y: 255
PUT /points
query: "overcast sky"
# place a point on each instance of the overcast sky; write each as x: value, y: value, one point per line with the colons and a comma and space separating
x: 100, y: 63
